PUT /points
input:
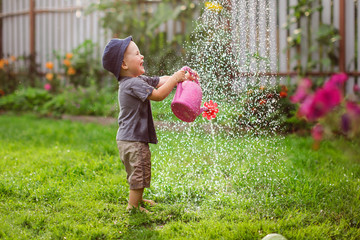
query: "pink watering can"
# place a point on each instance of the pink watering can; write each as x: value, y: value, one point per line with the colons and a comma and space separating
x: 187, y: 100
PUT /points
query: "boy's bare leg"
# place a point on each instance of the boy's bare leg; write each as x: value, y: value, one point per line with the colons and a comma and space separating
x: 135, y: 198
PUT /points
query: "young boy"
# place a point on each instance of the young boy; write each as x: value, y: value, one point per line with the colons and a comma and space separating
x: 136, y: 126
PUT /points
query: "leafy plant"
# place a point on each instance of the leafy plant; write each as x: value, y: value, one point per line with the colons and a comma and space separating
x: 327, y: 37
x: 15, y: 72
x: 160, y: 55
x: 83, y: 101
x: 8, y: 81
x: 81, y: 67
x: 73, y: 101
x: 25, y: 99
x: 267, y: 108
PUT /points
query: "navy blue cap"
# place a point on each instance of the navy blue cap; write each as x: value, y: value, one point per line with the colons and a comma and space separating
x: 113, y: 55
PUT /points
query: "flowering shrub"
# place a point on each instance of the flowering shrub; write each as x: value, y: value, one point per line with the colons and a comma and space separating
x: 8, y: 81
x: 266, y: 108
x: 80, y: 67
x: 53, y: 82
x: 327, y: 107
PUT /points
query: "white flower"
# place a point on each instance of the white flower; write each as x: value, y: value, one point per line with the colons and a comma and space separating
x: 297, y: 31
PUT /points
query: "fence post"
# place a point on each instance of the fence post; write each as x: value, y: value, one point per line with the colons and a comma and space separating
x: 342, y: 27
x: 32, y: 27
x: 1, y: 34
x: 32, y: 57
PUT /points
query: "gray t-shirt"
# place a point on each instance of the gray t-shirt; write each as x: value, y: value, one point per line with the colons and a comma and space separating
x: 135, y: 118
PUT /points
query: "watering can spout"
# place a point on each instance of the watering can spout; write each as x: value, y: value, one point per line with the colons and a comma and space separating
x: 203, y: 109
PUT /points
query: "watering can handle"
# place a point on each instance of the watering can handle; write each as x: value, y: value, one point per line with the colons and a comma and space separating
x: 191, y: 72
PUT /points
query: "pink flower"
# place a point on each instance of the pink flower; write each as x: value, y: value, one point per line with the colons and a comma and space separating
x: 353, y: 109
x: 301, y: 91
x: 336, y: 80
x: 212, y: 110
x: 47, y: 87
x: 304, y: 108
x: 329, y: 97
x: 317, y: 132
x: 356, y: 88
x: 312, y: 109
x: 324, y: 99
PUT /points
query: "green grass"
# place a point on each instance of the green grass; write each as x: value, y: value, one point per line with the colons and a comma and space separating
x: 60, y: 179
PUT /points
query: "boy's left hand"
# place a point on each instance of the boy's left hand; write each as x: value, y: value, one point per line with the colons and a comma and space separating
x: 192, y: 77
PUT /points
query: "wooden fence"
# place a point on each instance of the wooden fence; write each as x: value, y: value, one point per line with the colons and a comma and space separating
x: 42, y: 26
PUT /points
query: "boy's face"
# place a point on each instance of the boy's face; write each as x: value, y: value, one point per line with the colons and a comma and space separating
x: 133, y: 61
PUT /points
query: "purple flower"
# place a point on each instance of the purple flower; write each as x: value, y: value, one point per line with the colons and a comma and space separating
x: 345, y: 123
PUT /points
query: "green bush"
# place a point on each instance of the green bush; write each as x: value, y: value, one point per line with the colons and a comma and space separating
x: 84, y: 101
x: 268, y: 108
x: 74, y: 101
x: 26, y: 99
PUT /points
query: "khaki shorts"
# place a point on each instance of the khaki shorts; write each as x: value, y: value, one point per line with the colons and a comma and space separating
x: 136, y: 157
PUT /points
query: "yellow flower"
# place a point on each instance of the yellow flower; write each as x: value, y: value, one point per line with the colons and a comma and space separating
x: 67, y: 62
x: 213, y: 6
x: 49, y: 65
x: 262, y: 88
x: 49, y: 76
x: 2, y: 63
x: 13, y: 58
x: 71, y: 71
x: 69, y: 56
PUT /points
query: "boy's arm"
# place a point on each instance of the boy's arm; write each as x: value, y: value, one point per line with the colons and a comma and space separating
x: 163, y: 80
x: 167, y: 86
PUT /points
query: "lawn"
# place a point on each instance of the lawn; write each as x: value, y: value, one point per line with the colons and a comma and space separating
x: 64, y: 180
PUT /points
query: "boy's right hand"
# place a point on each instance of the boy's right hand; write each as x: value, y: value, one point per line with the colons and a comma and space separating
x: 179, y: 76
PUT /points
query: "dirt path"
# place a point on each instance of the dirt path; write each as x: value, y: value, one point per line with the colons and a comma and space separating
x: 90, y: 119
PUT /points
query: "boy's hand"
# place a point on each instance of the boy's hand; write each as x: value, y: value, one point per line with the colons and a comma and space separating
x: 192, y: 77
x: 179, y: 76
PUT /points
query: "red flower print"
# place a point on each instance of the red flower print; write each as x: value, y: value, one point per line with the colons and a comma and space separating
x: 211, y: 111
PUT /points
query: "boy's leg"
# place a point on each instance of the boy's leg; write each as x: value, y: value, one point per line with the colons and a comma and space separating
x: 135, y: 198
